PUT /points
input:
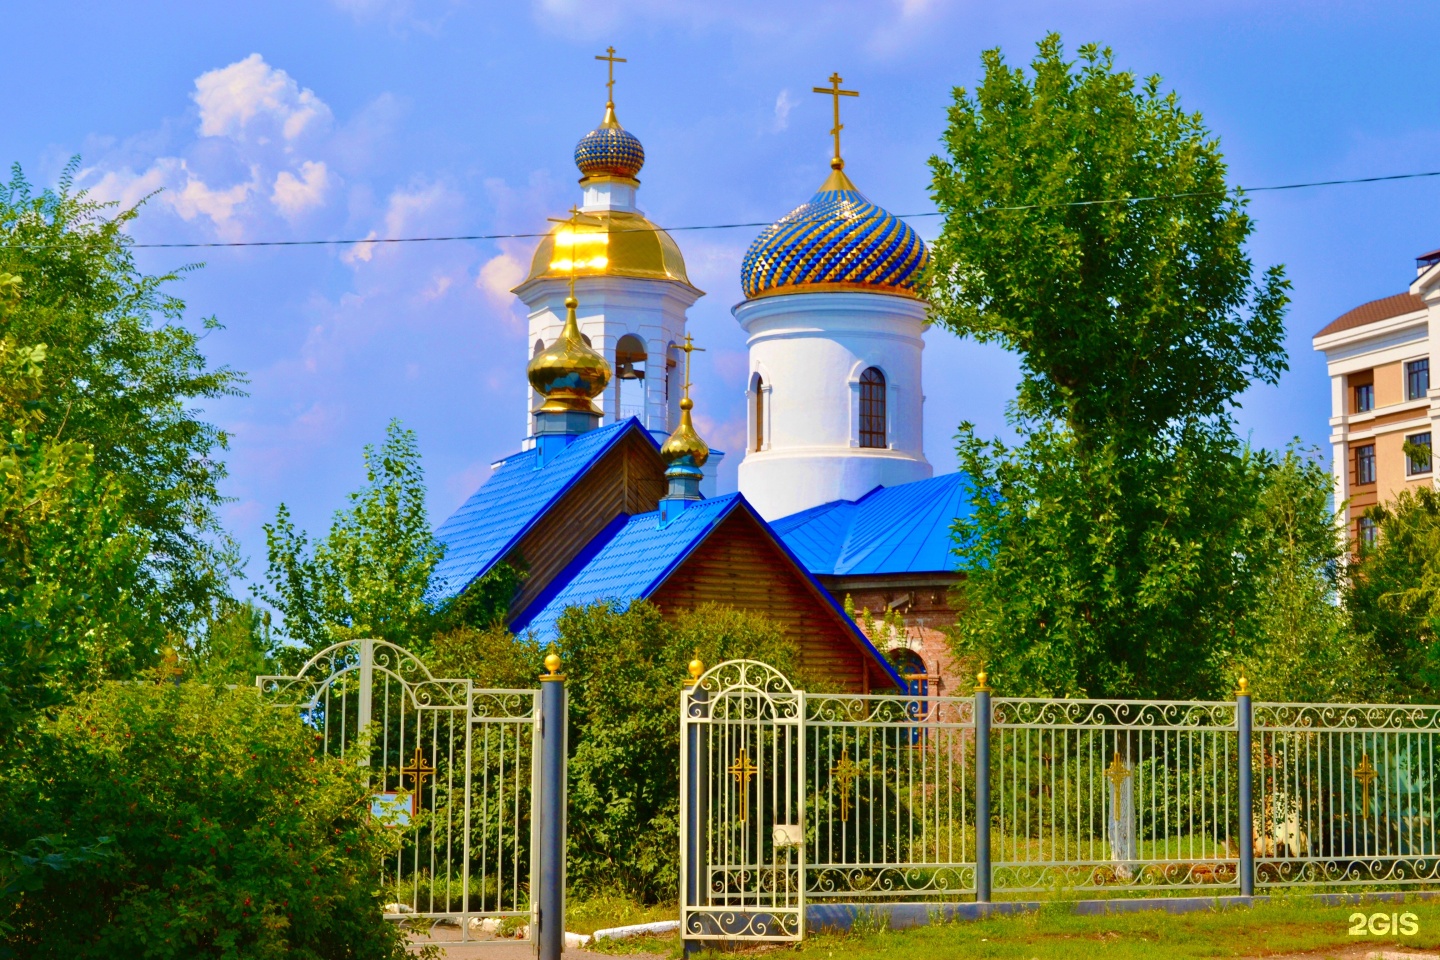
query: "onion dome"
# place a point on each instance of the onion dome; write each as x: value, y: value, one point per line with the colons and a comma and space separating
x: 609, y: 243
x: 609, y: 150
x: 685, y: 442
x: 569, y: 374
x: 837, y: 240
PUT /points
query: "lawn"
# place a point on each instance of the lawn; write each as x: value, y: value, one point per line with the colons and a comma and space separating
x: 1298, y: 925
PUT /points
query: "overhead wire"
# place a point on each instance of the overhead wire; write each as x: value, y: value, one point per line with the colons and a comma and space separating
x: 1238, y: 191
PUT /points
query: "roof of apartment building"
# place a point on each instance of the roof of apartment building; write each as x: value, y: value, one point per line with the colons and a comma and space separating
x: 1373, y: 312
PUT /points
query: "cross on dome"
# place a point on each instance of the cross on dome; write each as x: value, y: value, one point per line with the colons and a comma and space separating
x: 835, y: 93
x: 610, y: 67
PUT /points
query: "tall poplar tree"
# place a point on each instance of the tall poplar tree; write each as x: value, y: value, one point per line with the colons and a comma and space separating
x: 1089, y: 229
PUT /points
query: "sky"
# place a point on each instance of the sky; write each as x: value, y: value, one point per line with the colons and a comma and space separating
x: 356, y: 118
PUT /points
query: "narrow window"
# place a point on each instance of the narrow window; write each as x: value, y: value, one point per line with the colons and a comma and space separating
x: 1365, y: 464
x: 1368, y: 532
x: 872, y: 408
x: 1417, y: 454
x: 759, y: 414
x: 539, y: 348
x: 1365, y: 398
x: 1417, y: 379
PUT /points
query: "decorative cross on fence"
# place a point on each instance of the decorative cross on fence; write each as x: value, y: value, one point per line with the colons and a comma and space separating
x: 743, y: 771
x: 418, y: 770
x: 845, y: 773
x: 1117, y: 773
x: 1366, y: 774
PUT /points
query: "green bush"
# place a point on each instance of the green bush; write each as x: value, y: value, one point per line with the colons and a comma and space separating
x: 227, y: 836
x: 624, y: 674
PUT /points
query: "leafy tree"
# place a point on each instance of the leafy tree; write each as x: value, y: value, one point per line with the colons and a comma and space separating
x: 236, y: 646
x: 1393, y: 593
x: 193, y: 822
x: 101, y: 417
x: 370, y: 576
x: 1111, y: 551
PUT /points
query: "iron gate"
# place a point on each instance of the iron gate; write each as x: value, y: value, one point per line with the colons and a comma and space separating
x: 453, y: 767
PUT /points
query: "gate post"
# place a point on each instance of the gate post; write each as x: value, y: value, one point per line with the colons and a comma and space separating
x: 367, y: 680
x: 551, y: 900
x: 695, y: 706
x: 982, y: 789
x: 1243, y: 725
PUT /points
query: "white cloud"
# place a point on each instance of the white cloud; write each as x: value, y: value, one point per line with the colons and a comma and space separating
x: 499, y: 276
x: 294, y: 195
x: 196, y: 197
x: 232, y: 98
x: 783, y: 105
x: 182, y: 191
x: 410, y: 207
x: 360, y: 252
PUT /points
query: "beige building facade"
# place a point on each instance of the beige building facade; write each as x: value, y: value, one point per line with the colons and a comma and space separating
x: 1384, y: 395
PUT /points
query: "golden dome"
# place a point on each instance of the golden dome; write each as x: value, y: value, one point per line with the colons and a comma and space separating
x: 685, y: 441
x: 609, y: 243
x: 569, y: 373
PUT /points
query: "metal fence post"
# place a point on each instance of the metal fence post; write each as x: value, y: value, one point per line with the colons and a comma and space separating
x: 551, y: 901
x: 695, y: 702
x: 982, y: 789
x: 1243, y: 725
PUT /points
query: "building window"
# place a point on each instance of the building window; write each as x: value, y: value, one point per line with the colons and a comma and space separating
x: 1365, y: 398
x: 759, y: 414
x: 872, y: 408
x: 1417, y: 379
x: 539, y: 348
x: 1368, y: 532
x: 1365, y: 464
x: 1417, y: 454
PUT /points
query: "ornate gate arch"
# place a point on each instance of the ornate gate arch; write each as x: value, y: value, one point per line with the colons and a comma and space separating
x: 452, y: 766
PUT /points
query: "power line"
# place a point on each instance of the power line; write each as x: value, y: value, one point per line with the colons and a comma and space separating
x: 765, y: 223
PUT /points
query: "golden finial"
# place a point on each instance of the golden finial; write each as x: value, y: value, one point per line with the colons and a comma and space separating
x: 838, y: 180
x: 981, y: 682
x: 569, y: 373
x: 552, y: 664
x: 697, y: 667
x: 1244, y: 690
x: 685, y: 440
x: 609, y: 56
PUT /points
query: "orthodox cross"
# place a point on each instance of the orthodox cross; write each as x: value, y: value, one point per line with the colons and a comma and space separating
x: 1117, y: 774
x: 743, y: 771
x: 835, y: 93
x: 689, y: 348
x: 418, y: 770
x: 1366, y: 774
x: 573, y: 220
x: 845, y: 773
x: 610, y: 66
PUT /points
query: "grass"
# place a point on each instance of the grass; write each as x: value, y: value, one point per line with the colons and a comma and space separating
x: 1285, y: 926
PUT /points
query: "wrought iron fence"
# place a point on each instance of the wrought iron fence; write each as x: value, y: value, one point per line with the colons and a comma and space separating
x: 792, y: 798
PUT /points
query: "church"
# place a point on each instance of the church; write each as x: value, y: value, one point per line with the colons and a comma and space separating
x: 611, y: 496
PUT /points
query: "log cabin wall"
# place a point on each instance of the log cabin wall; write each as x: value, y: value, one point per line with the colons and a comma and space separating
x: 739, y: 566
x: 629, y: 479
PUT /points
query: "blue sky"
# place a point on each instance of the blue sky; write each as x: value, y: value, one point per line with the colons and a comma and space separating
x: 401, y: 117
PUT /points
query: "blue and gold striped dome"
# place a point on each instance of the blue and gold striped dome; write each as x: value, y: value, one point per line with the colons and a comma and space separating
x: 609, y: 150
x: 837, y: 240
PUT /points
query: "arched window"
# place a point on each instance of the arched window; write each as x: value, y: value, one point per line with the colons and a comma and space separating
x: 539, y: 348
x: 759, y: 413
x: 872, y: 408
x: 630, y: 377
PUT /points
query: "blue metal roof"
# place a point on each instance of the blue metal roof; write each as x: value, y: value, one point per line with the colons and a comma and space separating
x: 629, y: 559
x: 509, y: 503
x: 901, y: 529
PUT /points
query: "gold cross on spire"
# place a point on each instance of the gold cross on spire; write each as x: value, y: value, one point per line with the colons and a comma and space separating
x: 835, y: 93
x: 569, y: 238
x: 689, y: 347
x: 610, y: 66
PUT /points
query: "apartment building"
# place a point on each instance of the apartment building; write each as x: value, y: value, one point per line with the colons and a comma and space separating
x: 1384, y: 400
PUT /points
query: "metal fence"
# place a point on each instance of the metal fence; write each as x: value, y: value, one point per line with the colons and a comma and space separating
x: 793, y: 799
x: 457, y: 770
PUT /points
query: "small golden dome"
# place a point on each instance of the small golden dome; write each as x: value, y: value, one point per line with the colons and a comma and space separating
x: 685, y: 441
x: 609, y: 243
x: 569, y: 373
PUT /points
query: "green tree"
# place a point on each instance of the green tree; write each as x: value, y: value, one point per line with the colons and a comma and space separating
x: 370, y: 576
x: 1393, y: 592
x: 110, y: 544
x: 196, y: 822
x: 1110, y: 552
x: 235, y: 646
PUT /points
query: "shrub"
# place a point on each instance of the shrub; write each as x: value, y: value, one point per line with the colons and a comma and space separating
x: 227, y: 836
